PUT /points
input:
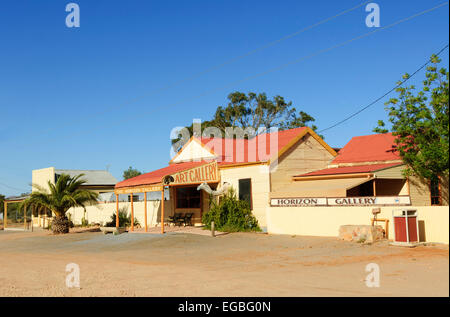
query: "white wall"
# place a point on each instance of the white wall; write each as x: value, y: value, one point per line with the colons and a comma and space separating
x: 325, y: 221
x: 260, y: 186
x: 41, y: 177
x: 101, y: 213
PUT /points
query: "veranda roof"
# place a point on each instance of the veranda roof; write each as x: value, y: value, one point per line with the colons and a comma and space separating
x: 320, y: 188
x: 350, y: 169
x: 157, y: 176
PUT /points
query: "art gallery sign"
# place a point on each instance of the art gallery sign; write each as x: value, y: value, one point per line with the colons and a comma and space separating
x: 208, y: 173
x: 341, y: 201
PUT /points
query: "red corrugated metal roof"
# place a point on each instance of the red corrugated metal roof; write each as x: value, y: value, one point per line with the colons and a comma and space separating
x: 350, y: 169
x: 241, y: 154
x: 246, y: 151
x: 156, y: 177
x: 368, y: 148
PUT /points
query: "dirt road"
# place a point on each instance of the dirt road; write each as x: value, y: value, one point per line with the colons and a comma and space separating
x: 33, y: 264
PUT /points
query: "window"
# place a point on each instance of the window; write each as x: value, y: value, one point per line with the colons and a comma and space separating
x: 135, y: 198
x: 245, y: 191
x: 435, y: 190
x: 188, y: 197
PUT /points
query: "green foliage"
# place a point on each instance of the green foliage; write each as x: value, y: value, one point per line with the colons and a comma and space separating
x: 124, y: 219
x: 419, y: 119
x: 230, y: 215
x: 130, y: 173
x: 254, y: 111
x: 84, y: 222
x: 65, y: 194
x: 381, y: 127
x: 71, y: 224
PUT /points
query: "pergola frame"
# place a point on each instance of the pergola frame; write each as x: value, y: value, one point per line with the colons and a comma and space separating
x: 140, y: 189
x: 5, y: 211
x: 145, y: 188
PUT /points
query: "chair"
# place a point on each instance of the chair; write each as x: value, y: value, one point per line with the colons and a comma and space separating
x: 173, y: 219
x: 180, y: 219
x: 188, y: 219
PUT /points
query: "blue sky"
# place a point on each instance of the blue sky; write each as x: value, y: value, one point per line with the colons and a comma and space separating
x: 92, y: 98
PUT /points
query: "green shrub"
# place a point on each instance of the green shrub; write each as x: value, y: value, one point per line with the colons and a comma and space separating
x: 124, y: 219
x: 71, y: 224
x: 84, y: 222
x: 230, y: 215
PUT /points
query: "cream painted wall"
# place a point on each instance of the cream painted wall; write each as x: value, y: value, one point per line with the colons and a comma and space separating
x: 260, y: 186
x: 325, y: 221
x: 192, y: 151
x: 305, y: 156
x: 42, y: 176
x: 101, y: 213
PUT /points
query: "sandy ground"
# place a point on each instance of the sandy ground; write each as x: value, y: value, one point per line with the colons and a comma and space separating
x: 240, y: 264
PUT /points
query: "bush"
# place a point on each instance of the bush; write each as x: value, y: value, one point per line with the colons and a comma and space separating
x: 230, y: 215
x: 84, y: 222
x: 124, y: 219
x: 71, y: 224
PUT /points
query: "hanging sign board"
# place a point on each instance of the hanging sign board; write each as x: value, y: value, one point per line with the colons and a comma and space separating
x: 369, y: 201
x: 208, y: 173
x: 297, y: 202
x: 341, y: 201
x: 141, y: 189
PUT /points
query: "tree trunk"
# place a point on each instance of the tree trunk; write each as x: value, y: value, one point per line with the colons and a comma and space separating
x: 60, y: 224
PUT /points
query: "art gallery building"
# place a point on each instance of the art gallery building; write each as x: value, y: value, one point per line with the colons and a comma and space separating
x: 297, y: 169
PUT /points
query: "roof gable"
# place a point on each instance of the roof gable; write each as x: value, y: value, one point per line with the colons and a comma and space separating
x: 262, y: 148
x: 193, y: 150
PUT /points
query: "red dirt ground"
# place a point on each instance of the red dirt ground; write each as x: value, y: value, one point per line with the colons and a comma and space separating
x: 240, y: 264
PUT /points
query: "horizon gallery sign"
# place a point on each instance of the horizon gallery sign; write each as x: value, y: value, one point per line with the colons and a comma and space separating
x: 138, y: 189
x: 208, y: 173
x: 297, y: 202
x: 341, y: 201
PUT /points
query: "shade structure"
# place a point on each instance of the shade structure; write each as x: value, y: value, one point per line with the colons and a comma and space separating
x: 177, y: 174
x: 368, y: 168
x: 156, y: 177
x: 320, y: 188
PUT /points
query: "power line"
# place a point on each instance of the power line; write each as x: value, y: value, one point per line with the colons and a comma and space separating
x: 304, y: 57
x: 385, y: 94
x: 227, y: 62
x: 298, y: 60
x: 13, y: 188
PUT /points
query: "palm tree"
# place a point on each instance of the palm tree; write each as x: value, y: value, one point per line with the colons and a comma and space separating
x: 65, y: 194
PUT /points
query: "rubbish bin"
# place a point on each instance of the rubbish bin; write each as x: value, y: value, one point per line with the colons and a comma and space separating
x: 405, y: 225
